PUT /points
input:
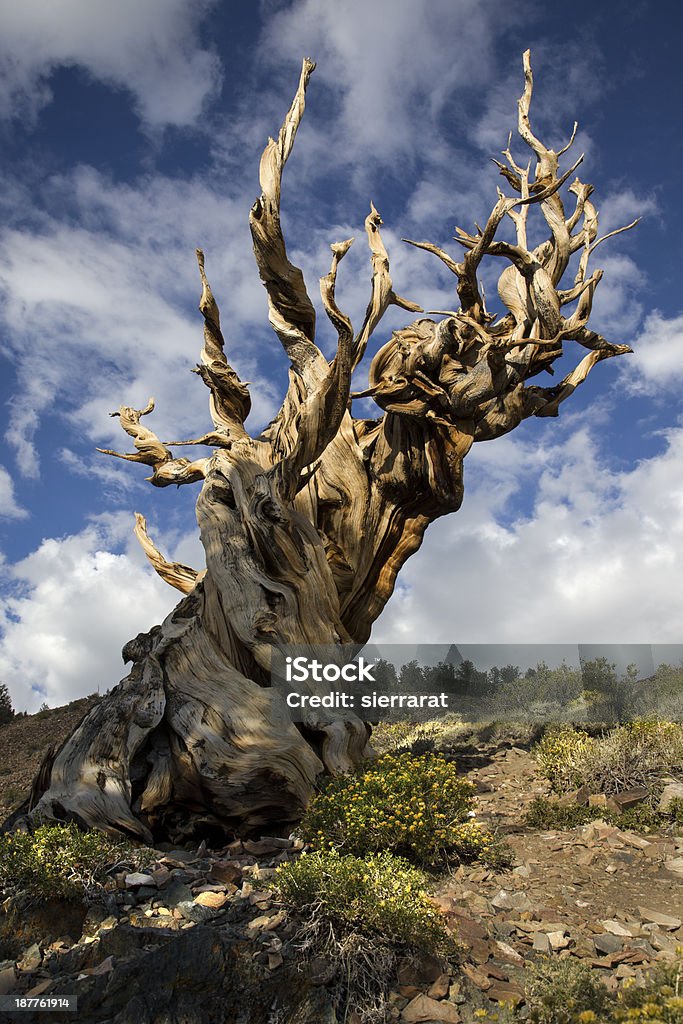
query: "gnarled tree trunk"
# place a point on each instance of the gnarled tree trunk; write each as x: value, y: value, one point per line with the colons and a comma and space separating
x: 306, y: 526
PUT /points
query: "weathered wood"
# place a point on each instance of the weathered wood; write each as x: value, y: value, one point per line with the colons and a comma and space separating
x: 306, y: 526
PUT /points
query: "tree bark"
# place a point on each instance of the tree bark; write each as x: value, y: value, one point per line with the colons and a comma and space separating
x: 306, y: 526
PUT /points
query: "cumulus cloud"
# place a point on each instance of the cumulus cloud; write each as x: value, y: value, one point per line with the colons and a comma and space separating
x: 151, y: 50
x: 657, y: 363
x: 599, y: 559
x: 71, y: 606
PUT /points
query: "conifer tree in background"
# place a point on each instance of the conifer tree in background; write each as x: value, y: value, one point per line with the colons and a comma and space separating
x: 6, y: 709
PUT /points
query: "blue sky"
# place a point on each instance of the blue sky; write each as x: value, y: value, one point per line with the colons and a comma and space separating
x: 131, y: 133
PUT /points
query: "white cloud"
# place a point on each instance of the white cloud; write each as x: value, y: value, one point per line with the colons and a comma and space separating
x: 72, y: 606
x: 598, y: 560
x: 657, y: 363
x: 103, y: 311
x: 8, y: 504
x: 378, y: 61
x: 150, y: 49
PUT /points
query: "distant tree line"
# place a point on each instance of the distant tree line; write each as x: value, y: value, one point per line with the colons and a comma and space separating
x: 7, y: 712
x: 595, y: 691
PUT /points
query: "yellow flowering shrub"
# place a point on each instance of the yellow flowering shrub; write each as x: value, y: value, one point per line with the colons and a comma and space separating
x: 415, y: 806
x: 560, y: 755
x: 568, y: 992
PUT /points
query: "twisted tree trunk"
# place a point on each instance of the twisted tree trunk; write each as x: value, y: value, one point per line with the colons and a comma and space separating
x: 306, y: 526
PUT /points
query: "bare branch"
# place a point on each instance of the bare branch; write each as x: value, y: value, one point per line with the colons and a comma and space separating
x: 230, y: 402
x: 291, y: 312
x: 383, y: 294
x: 443, y: 256
x: 320, y: 414
x: 180, y: 576
x: 617, y: 231
x: 151, y: 452
x: 564, y: 149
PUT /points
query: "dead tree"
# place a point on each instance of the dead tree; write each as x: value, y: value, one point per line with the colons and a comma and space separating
x: 306, y: 526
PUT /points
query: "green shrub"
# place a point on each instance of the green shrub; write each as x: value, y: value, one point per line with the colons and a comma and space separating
x: 417, y: 807
x: 6, y: 708
x: 376, y: 895
x: 57, y: 861
x: 358, y: 915
x: 560, y: 991
x: 545, y: 814
x: 638, y: 753
x: 676, y: 811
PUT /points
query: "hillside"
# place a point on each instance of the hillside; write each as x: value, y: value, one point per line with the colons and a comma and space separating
x: 23, y: 742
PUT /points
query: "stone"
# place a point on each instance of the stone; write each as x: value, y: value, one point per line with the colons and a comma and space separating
x: 225, y: 871
x: 422, y: 1009
x: 161, y: 876
x: 177, y: 892
x: 635, y: 840
x: 179, y: 857
x: 541, y: 943
x: 439, y: 988
x: 107, y: 923
x: 264, y: 922
x: 195, y: 913
x: 616, y: 928
x: 597, y: 800
x: 630, y: 797
x: 607, y: 943
x: 505, y: 900
x: 211, y: 899
x: 421, y: 970
x: 476, y: 976
x: 262, y: 846
x: 137, y: 878
x: 41, y: 987
x: 506, y: 992
x: 8, y: 981
x: 31, y: 958
x: 558, y: 940
x: 675, y: 865
x: 665, y: 921
x: 672, y: 791
x: 506, y: 952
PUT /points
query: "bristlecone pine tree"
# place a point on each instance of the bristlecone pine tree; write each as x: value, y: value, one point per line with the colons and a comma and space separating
x: 306, y: 526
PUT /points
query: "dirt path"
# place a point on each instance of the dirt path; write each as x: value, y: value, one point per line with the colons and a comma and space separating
x: 609, y: 897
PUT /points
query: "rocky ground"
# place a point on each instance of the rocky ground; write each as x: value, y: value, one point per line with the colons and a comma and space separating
x: 196, y: 936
